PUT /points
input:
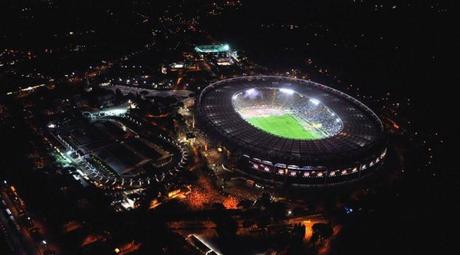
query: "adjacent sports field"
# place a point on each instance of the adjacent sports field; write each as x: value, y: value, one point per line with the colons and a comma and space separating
x: 286, y: 126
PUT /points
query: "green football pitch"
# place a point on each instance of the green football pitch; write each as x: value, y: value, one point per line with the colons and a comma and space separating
x: 285, y: 126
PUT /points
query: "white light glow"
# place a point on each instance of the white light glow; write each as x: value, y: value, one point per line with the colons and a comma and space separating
x: 287, y: 91
x: 128, y: 204
x: 250, y: 92
x: 115, y: 112
x: 314, y: 101
x: 208, y: 245
x: 177, y: 65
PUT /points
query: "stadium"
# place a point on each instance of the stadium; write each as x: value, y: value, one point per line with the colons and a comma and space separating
x: 287, y: 130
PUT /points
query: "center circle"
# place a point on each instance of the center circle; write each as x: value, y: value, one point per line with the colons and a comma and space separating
x: 286, y: 113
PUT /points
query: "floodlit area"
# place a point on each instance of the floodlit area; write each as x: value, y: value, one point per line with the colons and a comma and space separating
x: 286, y: 113
x: 276, y: 128
x: 112, y: 153
x: 287, y: 126
x: 212, y: 48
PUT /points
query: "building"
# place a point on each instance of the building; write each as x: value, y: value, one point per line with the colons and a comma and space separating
x: 283, y: 129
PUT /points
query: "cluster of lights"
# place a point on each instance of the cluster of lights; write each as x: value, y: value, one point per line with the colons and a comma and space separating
x: 308, y: 173
x: 90, y: 172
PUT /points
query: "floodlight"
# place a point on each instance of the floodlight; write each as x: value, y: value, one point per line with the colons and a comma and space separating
x: 250, y: 92
x: 287, y: 91
x: 314, y: 101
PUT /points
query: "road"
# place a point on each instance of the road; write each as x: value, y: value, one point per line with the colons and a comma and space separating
x: 19, y: 236
x: 12, y: 236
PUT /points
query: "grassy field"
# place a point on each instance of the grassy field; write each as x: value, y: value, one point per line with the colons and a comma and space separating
x: 285, y: 126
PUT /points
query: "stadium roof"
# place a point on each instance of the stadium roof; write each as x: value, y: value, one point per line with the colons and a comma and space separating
x: 361, y: 136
